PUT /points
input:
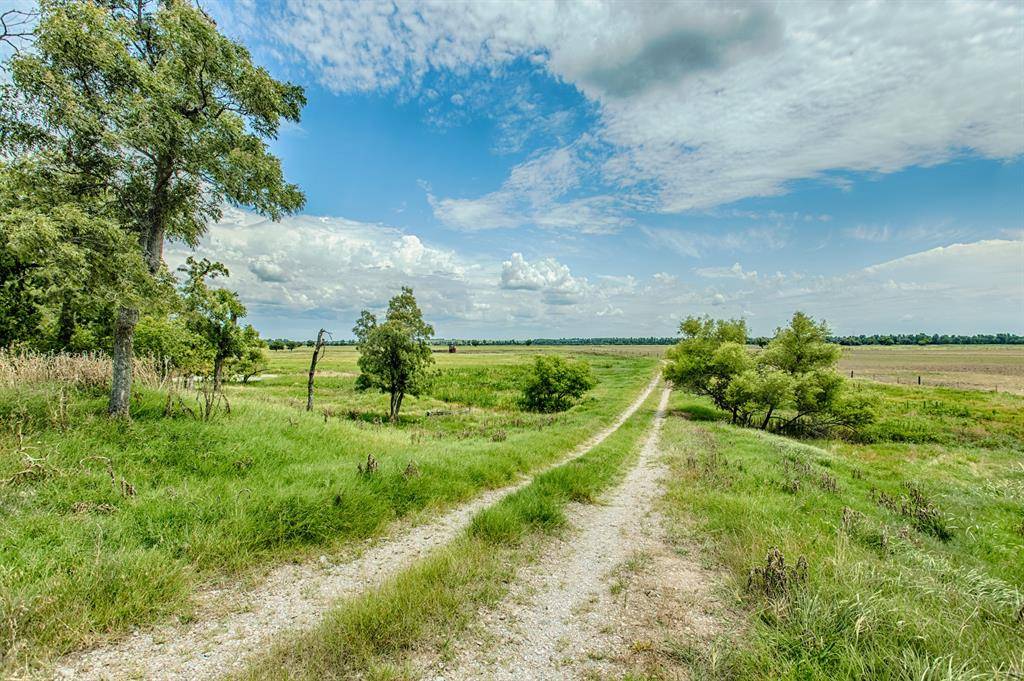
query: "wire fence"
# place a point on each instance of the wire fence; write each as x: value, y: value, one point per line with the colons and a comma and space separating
x: 924, y: 380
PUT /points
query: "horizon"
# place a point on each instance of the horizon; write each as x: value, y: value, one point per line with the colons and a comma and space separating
x: 527, y: 178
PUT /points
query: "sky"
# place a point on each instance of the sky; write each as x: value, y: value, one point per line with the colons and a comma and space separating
x: 540, y: 169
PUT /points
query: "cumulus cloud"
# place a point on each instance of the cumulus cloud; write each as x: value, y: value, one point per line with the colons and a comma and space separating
x: 548, y: 276
x: 305, y: 272
x: 697, y: 104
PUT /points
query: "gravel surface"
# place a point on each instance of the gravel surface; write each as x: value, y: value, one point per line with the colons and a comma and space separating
x: 562, y: 619
x: 232, y: 623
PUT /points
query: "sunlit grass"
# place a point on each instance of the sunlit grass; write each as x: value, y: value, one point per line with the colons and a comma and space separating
x: 109, y: 525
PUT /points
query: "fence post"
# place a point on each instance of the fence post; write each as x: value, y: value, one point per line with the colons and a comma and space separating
x: 919, y: 380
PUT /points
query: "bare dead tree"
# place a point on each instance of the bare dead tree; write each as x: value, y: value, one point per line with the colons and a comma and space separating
x: 317, y: 350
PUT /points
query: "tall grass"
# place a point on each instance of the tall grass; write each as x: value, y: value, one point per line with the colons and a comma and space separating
x: 108, y: 524
x: 88, y: 370
x: 914, y: 552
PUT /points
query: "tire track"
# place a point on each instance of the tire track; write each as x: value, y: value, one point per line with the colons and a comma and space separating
x: 540, y: 630
x: 233, y: 623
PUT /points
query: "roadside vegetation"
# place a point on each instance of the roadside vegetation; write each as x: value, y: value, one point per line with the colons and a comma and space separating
x: 791, y: 386
x: 429, y: 605
x: 110, y: 524
x: 899, y: 555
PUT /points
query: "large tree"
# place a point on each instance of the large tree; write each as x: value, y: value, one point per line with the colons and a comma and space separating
x: 145, y: 110
x: 395, y: 355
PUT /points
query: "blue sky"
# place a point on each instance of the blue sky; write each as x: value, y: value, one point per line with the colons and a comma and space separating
x: 534, y: 169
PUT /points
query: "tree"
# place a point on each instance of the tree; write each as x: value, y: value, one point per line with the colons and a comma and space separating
x: 63, y: 267
x: 250, y: 360
x: 176, y: 348
x: 395, y: 355
x: 145, y: 110
x: 554, y: 384
x: 213, y: 313
x: 317, y: 351
x: 710, y: 354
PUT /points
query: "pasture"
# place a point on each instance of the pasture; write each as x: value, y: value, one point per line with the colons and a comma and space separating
x: 975, y: 367
x: 109, y: 525
x: 909, y: 536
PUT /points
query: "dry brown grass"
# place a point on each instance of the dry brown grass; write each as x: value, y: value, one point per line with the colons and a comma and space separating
x: 973, y: 367
x: 85, y: 370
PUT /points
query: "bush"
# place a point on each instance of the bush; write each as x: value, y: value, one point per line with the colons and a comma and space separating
x: 554, y: 384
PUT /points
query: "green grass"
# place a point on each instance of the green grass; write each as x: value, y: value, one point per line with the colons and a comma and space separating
x: 429, y: 604
x: 83, y: 556
x: 929, y: 591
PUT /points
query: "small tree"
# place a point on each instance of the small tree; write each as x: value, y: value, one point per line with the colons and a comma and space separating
x: 250, y: 361
x: 554, y: 384
x: 710, y: 354
x: 394, y: 355
x: 213, y: 314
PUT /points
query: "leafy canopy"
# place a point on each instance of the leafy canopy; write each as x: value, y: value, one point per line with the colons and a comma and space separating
x: 555, y: 383
x: 395, y: 355
x: 792, y: 385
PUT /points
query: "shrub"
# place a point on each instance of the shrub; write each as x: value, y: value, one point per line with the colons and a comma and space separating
x: 554, y: 384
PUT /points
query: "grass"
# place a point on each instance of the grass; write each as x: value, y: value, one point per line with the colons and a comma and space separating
x: 111, y: 525
x: 913, y: 540
x: 426, y: 606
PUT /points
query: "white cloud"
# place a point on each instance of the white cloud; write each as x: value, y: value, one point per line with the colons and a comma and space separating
x: 700, y: 104
x: 869, y: 233
x: 734, y: 272
x: 548, y: 276
x: 306, y: 272
x: 698, y: 244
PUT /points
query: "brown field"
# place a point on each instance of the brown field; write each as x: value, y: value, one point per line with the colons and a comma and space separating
x: 976, y: 367
x: 973, y: 367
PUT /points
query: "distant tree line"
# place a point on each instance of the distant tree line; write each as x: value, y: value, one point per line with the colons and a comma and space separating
x: 874, y: 339
x: 916, y: 339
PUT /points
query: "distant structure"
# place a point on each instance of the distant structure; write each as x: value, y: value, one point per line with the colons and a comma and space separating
x: 451, y: 347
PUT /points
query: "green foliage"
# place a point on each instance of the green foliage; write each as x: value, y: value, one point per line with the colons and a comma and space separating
x: 175, y: 347
x: 148, y: 119
x: 395, y: 355
x: 555, y: 383
x: 792, y: 385
x: 62, y: 266
x: 251, y: 360
x: 213, y: 313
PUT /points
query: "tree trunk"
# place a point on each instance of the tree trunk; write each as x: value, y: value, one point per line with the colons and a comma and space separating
x: 121, y: 385
x: 218, y: 373
x: 312, y: 368
x: 65, y: 325
x: 396, y: 405
x: 767, y: 417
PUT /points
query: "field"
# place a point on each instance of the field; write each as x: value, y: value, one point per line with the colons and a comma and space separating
x: 108, y: 526
x: 902, y: 549
x: 978, y: 367
x: 914, y: 549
